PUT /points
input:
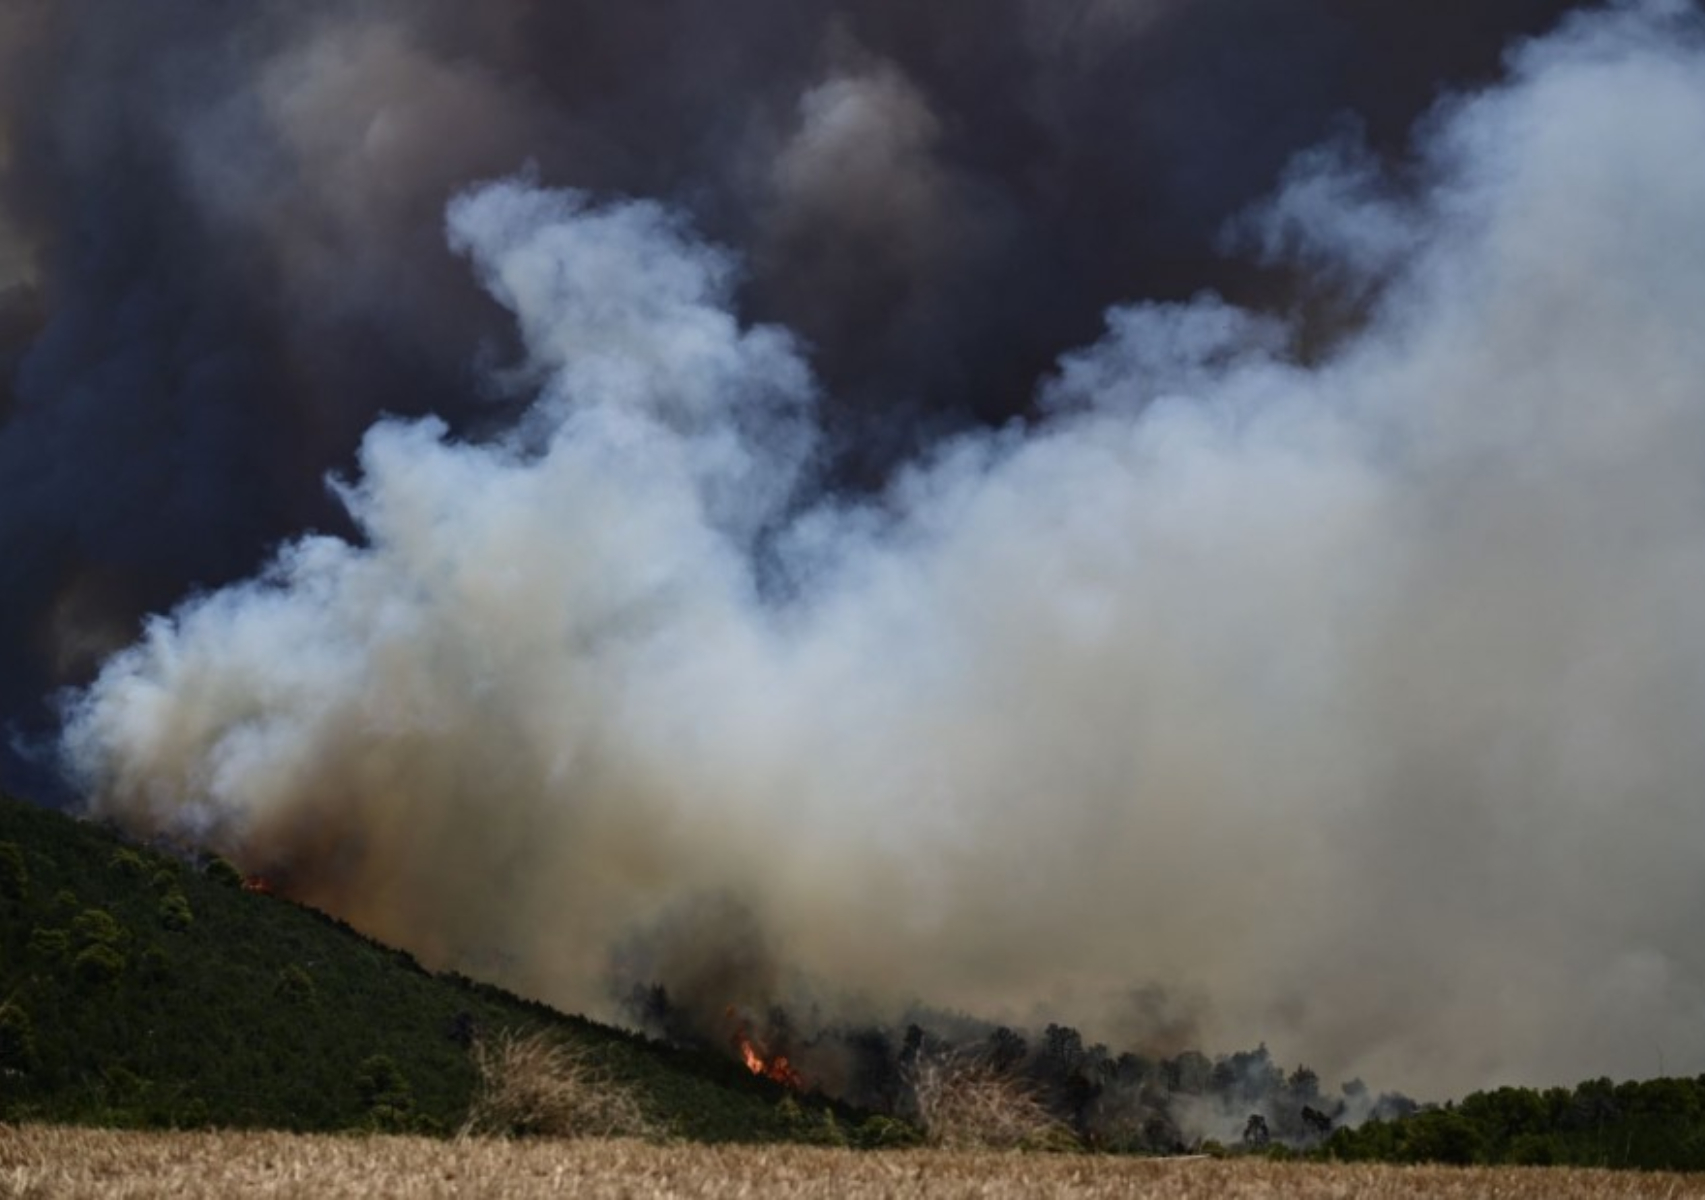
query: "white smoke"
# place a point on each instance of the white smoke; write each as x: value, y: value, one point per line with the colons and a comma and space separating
x: 1361, y: 697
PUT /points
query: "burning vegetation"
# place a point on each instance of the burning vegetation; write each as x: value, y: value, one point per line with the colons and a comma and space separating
x: 964, y: 1082
x: 775, y: 1068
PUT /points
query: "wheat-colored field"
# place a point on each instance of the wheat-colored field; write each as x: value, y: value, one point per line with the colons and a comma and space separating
x: 53, y: 1162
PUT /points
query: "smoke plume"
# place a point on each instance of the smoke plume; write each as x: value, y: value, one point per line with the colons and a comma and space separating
x: 221, y: 253
x: 796, y: 562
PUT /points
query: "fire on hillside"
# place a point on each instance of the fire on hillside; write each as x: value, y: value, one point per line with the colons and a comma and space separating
x: 774, y: 1067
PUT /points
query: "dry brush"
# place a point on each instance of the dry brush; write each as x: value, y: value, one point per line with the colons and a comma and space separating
x: 536, y: 1085
x: 44, y: 1163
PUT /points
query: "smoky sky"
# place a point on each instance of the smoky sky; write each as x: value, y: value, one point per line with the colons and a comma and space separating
x: 1022, y: 509
x: 221, y: 257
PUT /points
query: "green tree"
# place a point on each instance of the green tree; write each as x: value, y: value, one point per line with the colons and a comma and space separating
x: 1442, y: 1136
x: 51, y: 944
x: 156, y: 966
x: 14, y: 875
x: 96, y: 927
x: 17, y: 1040
x: 294, y: 985
x: 128, y: 862
x: 385, y: 1094
x: 886, y: 1133
x: 220, y: 871
x: 1303, y: 1086
x: 98, y: 966
x: 175, y: 911
x: 1535, y: 1150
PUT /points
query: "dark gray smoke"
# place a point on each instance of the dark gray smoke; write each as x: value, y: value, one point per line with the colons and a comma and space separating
x: 1325, y: 647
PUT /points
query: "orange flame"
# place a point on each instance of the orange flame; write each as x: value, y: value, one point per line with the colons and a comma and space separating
x: 777, y: 1069
x: 256, y: 883
x: 754, y: 1060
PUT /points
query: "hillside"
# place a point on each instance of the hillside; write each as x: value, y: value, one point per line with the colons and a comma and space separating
x: 139, y: 990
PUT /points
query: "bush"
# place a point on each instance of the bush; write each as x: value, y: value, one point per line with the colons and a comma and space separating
x: 294, y: 985
x: 378, y: 1080
x: 97, y: 966
x: 220, y: 871
x: 122, y: 1085
x: 886, y: 1133
x: 51, y: 944
x: 127, y: 862
x: 175, y: 912
x: 536, y: 1086
x: 385, y: 1095
x: 156, y: 967
x: 966, y: 1105
x: 96, y: 927
x: 14, y: 875
x: 830, y: 1132
x: 17, y: 1040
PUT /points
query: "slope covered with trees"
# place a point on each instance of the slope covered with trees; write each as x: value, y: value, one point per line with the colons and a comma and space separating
x: 144, y: 989
x: 140, y: 989
x: 1655, y: 1125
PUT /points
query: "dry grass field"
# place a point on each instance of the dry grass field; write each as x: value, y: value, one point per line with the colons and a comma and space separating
x: 54, y: 1162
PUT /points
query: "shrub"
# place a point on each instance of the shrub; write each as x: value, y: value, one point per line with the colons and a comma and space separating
x: 294, y: 985
x: 966, y: 1105
x: 96, y: 927
x: 536, y: 1086
x: 122, y: 1085
x: 51, y: 944
x: 14, y: 875
x: 220, y: 871
x: 385, y: 1094
x: 831, y: 1133
x: 156, y: 967
x: 379, y: 1080
x: 175, y: 912
x: 885, y: 1133
x: 17, y: 1040
x: 97, y: 966
x: 127, y: 862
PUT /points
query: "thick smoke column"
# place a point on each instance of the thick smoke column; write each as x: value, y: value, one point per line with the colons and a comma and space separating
x: 221, y: 255
x: 1359, y: 696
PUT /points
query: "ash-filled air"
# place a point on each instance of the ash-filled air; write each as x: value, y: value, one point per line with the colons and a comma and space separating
x: 1350, y: 686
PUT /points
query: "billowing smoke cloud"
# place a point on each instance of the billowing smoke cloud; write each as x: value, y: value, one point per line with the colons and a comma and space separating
x: 1356, y: 693
x: 221, y: 253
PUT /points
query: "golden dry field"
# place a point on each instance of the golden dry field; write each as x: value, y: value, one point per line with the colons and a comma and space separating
x: 53, y: 1162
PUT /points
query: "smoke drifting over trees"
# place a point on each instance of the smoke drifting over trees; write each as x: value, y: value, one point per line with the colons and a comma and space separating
x: 814, y: 485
